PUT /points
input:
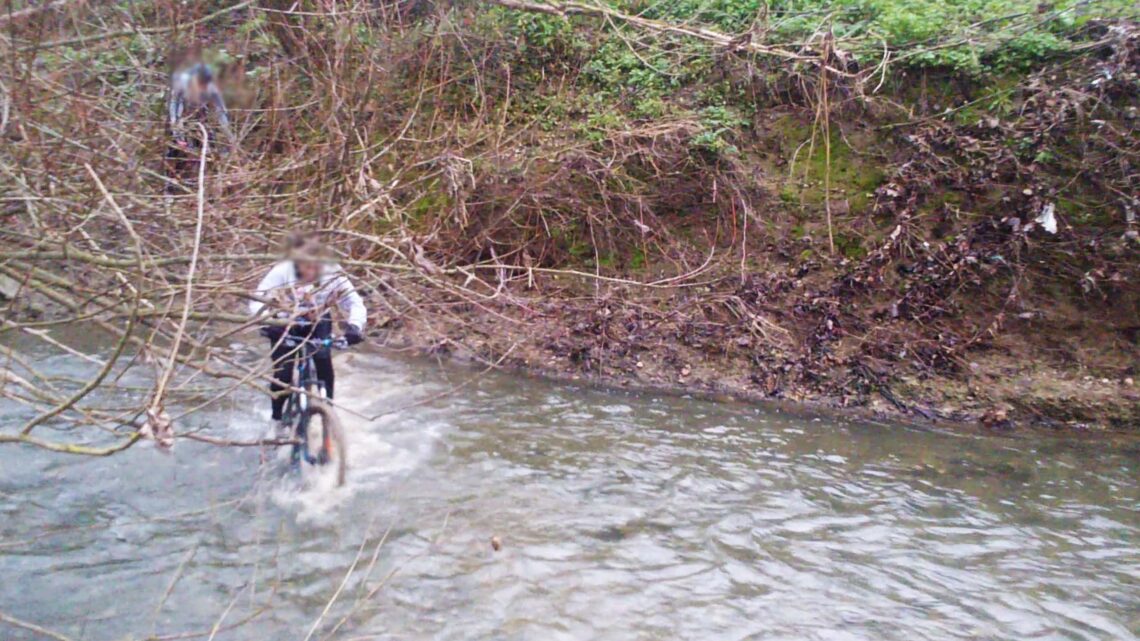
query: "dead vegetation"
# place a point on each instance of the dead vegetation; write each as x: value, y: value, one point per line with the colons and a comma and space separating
x: 493, y: 206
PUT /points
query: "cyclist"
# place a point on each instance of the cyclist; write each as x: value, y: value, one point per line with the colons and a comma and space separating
x: 308, y: 288
x: 193, y: 96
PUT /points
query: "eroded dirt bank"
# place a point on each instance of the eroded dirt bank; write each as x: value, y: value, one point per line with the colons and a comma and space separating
x: 984, y: 270
x: 975, y: 261
x: 631, y: 343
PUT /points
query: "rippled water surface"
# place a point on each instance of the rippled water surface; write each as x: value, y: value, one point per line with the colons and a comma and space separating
x: 620, y: 517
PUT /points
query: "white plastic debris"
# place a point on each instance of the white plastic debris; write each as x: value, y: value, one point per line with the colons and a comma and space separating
x: 1046, y: 218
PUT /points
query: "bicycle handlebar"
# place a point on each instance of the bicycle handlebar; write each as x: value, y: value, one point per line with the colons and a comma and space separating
x: 288, y: 340
x: 334, y: 342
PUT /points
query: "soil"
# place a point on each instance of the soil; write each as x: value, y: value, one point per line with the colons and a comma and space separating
x: 630, y: 341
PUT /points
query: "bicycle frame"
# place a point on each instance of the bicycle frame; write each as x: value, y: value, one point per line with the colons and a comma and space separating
x: 306, y: 382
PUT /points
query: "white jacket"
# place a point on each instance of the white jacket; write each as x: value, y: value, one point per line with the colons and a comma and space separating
x: 332, y: 289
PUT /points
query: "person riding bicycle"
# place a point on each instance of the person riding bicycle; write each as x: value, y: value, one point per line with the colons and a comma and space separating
x: 193, y: 97
x: 308, y: 289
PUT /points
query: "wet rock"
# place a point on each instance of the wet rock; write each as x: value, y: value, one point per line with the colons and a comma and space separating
x: 610, y: 534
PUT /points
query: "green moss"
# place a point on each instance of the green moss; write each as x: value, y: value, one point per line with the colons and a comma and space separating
x: 1086, y: 214
x: 431, y: 201
x: 580, y: 250
x: 937, y: 200
x: 790, y: 129
x: 853, y: 177
x: 637, y: 260
x: 850, y: 246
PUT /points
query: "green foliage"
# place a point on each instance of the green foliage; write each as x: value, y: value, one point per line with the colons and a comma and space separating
x: 255, y: 23
x: 650, y: 107
x: 725, y: 15
x: 542, y: 31
x: 539, y: 39
x: 1020, y: 51
x: 717, y: 123
x: 628, y: 75
x: 616, y: 69
x: 970, y: 36
x: 601, y: 122
x: 550, y: 112
x: 130, y: 50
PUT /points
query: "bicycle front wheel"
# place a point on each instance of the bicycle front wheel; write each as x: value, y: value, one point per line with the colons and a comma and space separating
x: 324, y: 436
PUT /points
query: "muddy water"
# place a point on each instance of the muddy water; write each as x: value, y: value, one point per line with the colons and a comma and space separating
x: 619, y: 518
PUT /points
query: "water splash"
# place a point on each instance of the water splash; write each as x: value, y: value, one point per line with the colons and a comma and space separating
x: 381, y: 445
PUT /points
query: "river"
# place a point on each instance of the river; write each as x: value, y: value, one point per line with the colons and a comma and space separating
x: 619, y: 517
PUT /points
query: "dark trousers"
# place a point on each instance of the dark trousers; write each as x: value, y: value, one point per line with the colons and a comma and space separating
x: 181, y: 164
x: 285, y: 359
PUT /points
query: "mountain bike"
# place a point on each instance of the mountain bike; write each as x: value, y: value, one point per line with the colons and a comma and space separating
x: 317, y: 432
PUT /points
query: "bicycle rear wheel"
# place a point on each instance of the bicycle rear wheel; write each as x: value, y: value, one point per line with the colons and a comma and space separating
x: 324, y: 437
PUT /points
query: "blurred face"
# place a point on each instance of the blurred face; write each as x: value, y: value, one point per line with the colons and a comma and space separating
x: 308, y: 270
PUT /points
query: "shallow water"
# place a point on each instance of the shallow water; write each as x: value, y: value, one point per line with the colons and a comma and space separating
x: 620, y: 517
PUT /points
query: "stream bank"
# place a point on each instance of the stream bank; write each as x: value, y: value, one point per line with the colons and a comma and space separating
x: 560, y: 344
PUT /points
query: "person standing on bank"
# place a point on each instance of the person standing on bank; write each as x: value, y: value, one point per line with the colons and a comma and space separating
x: 194, y: 97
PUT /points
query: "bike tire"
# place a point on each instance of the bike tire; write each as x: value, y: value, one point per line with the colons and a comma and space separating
x: 334, y: 449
